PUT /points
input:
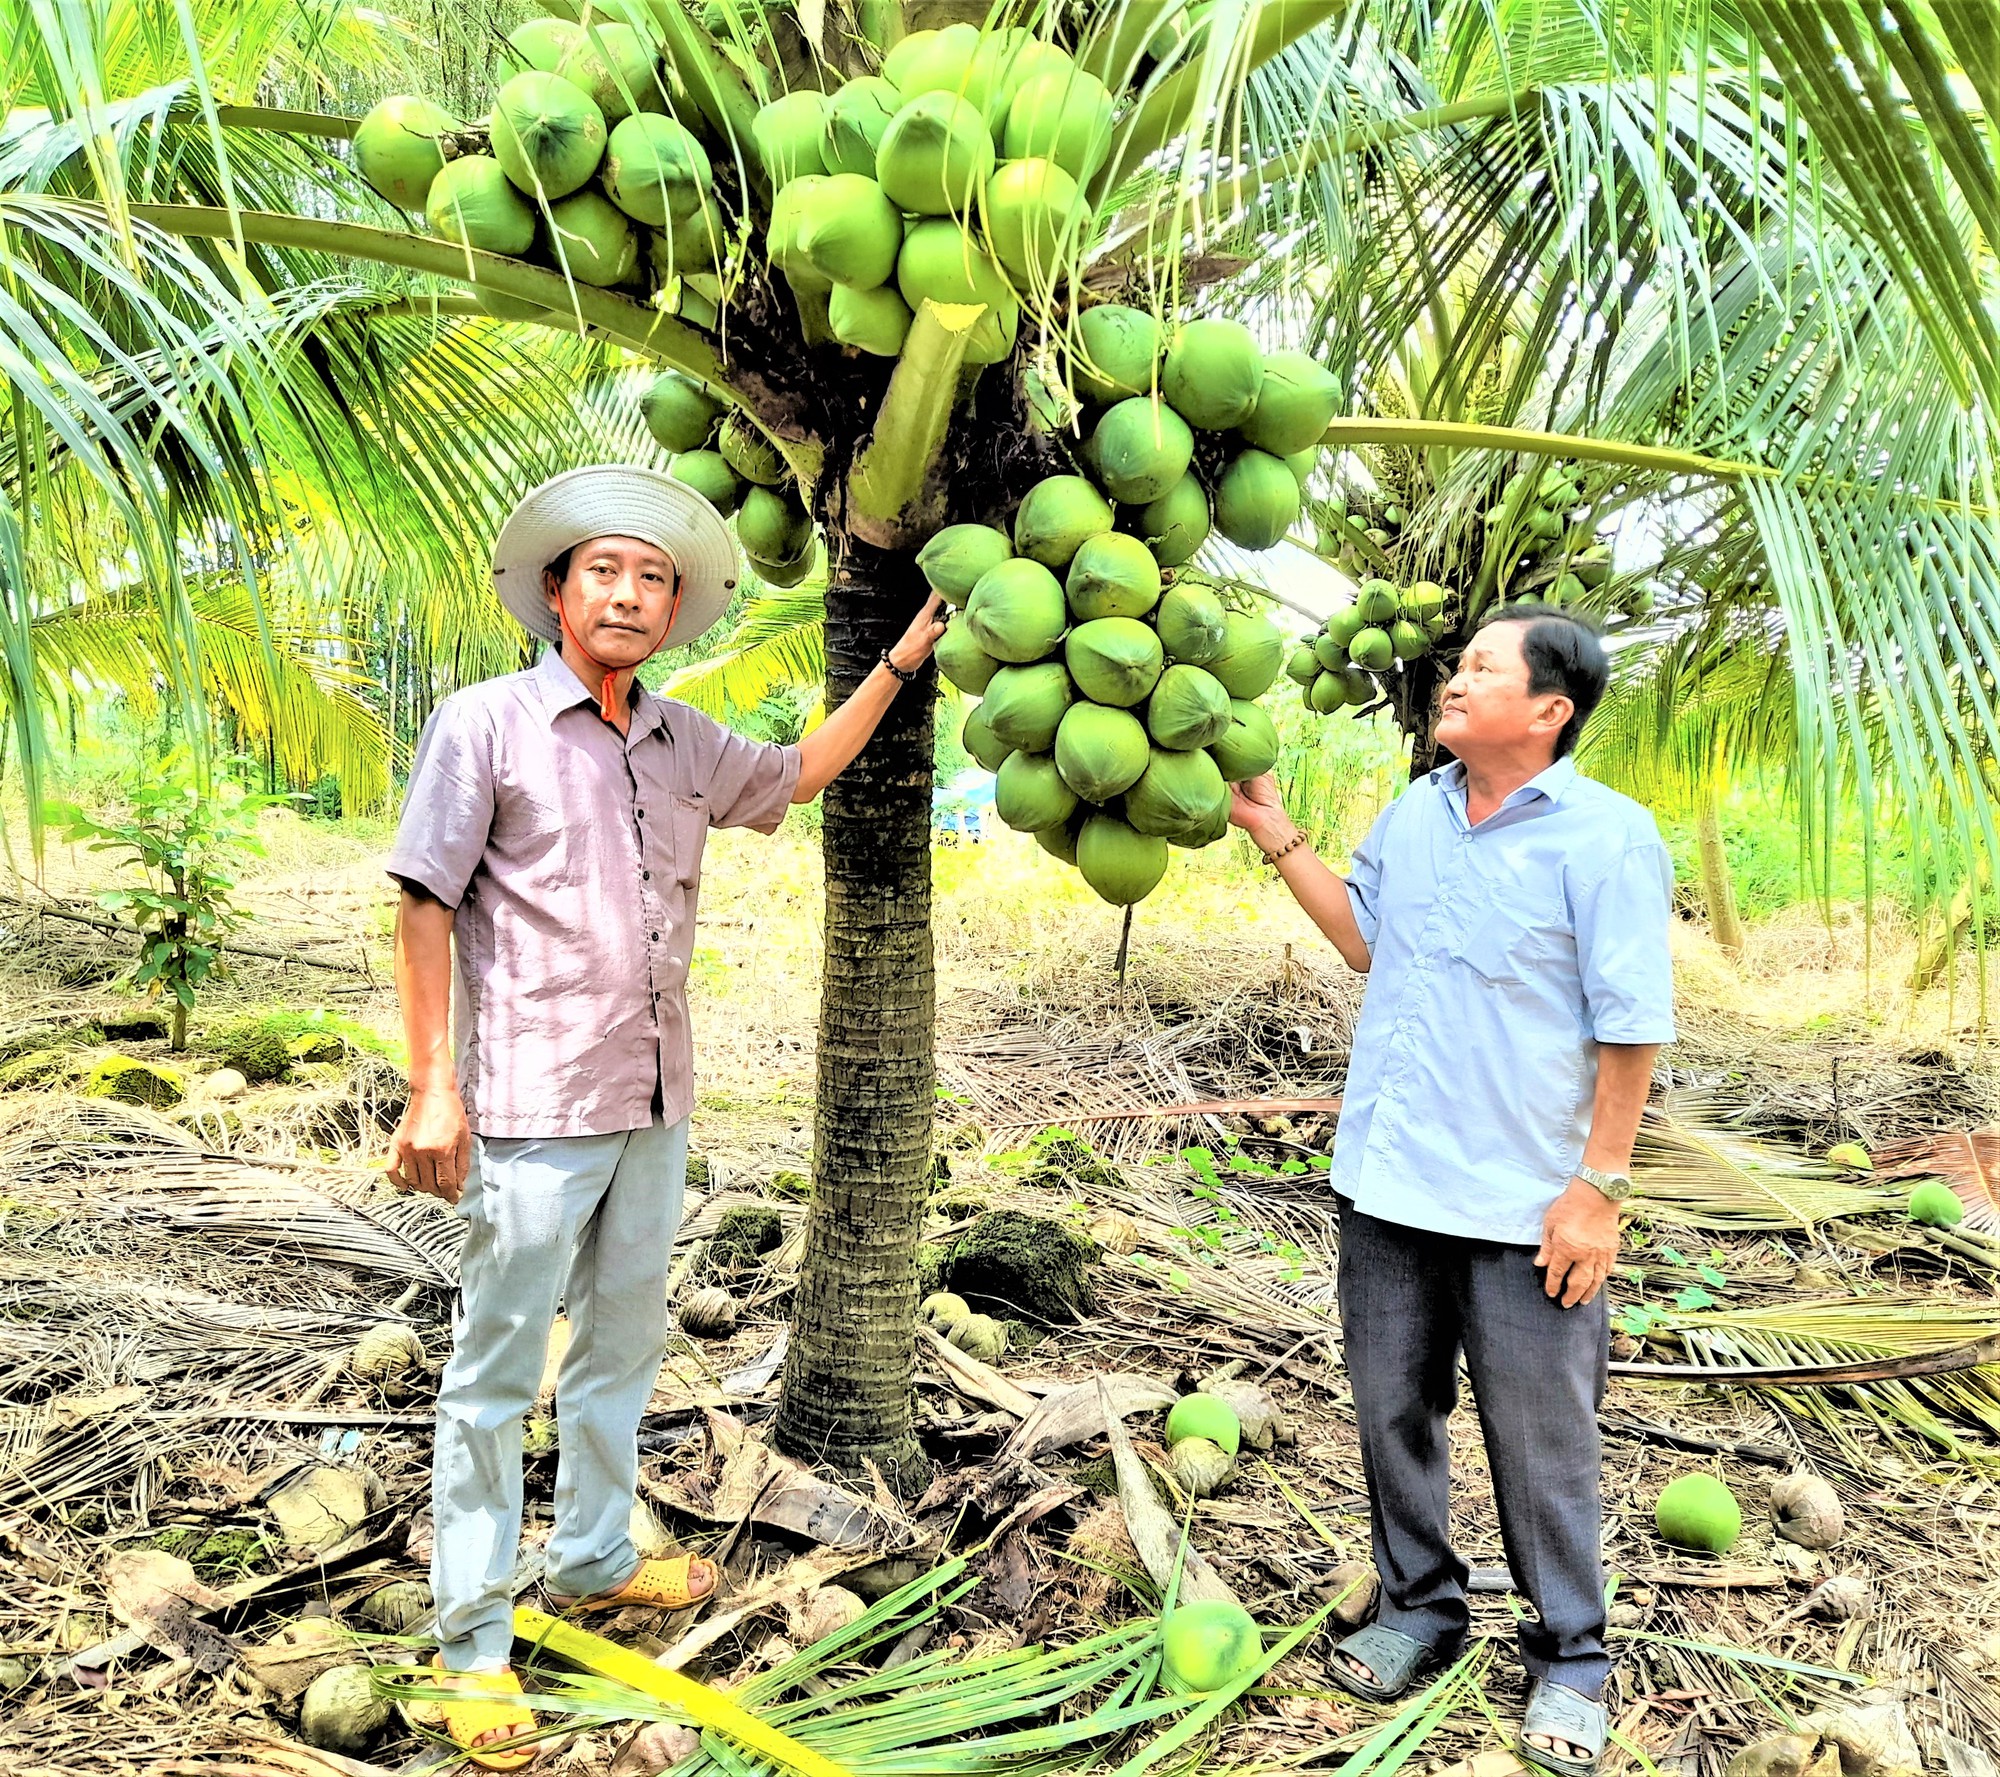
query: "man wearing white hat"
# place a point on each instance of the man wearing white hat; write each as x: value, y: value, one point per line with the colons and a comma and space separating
x: 551, y: 837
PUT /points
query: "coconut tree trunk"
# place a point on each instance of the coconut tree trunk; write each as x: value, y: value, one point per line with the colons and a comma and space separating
x: 1718, y: 886
x: 848, y: 1373
x: 1941, y: 941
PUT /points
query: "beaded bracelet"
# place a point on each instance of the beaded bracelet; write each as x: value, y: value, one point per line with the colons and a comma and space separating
x: 1291, y: 844
x: 908, y: 678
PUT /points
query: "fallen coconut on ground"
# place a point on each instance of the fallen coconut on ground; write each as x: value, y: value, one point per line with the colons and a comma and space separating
x: 1205, y: 1416
x: 1699, y: 1512
x: 1208, y: 1645
x: 1199, y: 1467
x: 342, y: 1713
x: 1806, y: 1510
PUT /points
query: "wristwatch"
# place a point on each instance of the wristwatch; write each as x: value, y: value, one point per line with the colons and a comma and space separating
x: 1617, y: 1186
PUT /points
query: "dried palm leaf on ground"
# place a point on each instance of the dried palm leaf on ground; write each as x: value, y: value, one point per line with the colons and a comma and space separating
x: 1690, y: 1167
x: 1968, y: 1160
x: 1849, y: 1331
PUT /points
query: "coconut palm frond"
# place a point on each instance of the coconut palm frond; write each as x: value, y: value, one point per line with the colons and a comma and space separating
x: 1690, y: 1168
x: 1968, y: 1160
x: 777, y: 644
x: 310, y: 712
x: 1933, y: 1409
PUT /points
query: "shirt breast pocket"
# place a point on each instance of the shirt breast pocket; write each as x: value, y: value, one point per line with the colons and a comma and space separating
x: 1510, y: 941
x: 690, y: 815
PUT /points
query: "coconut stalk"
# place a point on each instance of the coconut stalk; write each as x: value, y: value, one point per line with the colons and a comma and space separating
x: 895, y: 492
x: 1718, y: 887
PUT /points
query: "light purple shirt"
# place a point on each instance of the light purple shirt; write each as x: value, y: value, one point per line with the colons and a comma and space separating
x: 572, y: 854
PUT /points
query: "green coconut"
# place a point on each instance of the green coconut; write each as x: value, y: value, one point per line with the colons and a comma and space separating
x: 1100, y: 752
x: 1934, y: 1204
x: 1206, y: 1416
x: 1327, y: 693
x: 1035, y: 213
x: 1177, y: 795
x: 774, y: 526
x: 1056, y: 518
x: 976, y: 738
x: 1189, y: 708
x: 1256, y: 501
x: 709, y: 474
x: 1250, y: 748
x: 1114, y: 660
x: 1295, y: 404
x: 1063, y: 115
x: 788, y: 133
x: 543, y: 44
x: 1699, y: 1512
x: 679, y: 412
x: 1112, y: 575
x: 1852, y: 1155
x: 752, y: 455
x: 341, y: 1712
x: 691, y: 244
x: 1176, y: 524
x: 1213, y: 375
x: 1016, y: 610
x: 617, y: 67
x: 1025, y: 705
x: 1408, y: 640
x: 1060, y: 842
x: 1303, y: 665
x: 1143, y: 449
x: 785, y: 573
x: 901, y: 64
x: 936, y: 155
x: 591, y: 239
x: 1115, y: 353
x: 1252, y: 654
x: 954, y: 560
x: 857, y: 117
x: 1029, y: 793
x: 399, y: 148
x: 1193, y: 626
x: 941, y: 1309
x: 874, y: 321
x: 939, y: 261
x: 1372, y: 649
x: 781, y: 237
x: 1376, y: 601
x: 474, y: 203
x: 1209, y: 1645
x: 1121, y: 866
x: 963, y: 661
x: 654, y: 168
x: 1302, y: 463
x: 980, y: 1336
x: 850, y: 232
x: 548, y: 135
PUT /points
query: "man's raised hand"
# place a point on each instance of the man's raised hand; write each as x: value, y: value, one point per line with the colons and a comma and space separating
x: 921, y: 637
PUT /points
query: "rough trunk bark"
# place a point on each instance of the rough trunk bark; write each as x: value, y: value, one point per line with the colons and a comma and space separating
x: 847, y: 1375
x: 1718, y: 886
x: 1417, y: 711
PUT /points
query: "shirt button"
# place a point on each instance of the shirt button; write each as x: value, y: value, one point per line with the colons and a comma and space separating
x: 645, y: 876
x: 642, y: 814
x: 655, y: 936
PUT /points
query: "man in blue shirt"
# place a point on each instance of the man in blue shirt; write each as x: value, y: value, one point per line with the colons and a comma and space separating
x: 1512, y: 919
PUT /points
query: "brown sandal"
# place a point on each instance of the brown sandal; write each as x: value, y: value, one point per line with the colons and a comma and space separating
x: 665, y: 1584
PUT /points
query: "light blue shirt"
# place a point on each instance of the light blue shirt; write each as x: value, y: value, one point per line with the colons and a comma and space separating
x: 1501, y: 956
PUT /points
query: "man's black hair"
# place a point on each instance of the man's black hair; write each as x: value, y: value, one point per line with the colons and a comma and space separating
x: 559, y: 566
x: 1564, y: 651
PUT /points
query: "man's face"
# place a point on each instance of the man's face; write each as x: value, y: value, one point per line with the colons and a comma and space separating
x: 618, y: 596
x: 1488, y: 709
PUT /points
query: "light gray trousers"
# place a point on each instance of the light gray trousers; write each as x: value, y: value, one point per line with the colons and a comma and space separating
x: 587, y: 1222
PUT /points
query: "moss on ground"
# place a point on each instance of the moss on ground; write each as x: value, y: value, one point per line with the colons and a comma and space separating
x: 136, y: 1082
x: 214, y: 1554
x: 742, y: 1237
x: 1035, y: 1267
x: 793, y: 1187
x: 264, y: 1049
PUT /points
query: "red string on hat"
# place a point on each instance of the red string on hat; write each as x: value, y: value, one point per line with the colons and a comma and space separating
x: 607, y: 690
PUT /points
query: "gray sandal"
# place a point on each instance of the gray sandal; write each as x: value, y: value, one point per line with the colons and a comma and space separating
x: 1393, y: 1657
x: 1565, y: 1715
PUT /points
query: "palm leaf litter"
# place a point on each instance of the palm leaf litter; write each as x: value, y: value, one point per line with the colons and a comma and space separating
x: 182, y: 1298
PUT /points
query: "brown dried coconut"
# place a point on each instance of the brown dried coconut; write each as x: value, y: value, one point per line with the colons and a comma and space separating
x: 1806, y: 1511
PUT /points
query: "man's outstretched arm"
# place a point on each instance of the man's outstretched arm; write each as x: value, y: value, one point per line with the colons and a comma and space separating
x: 1254, y: 806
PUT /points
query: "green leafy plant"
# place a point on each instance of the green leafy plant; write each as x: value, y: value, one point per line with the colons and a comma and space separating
x: 183, y: 838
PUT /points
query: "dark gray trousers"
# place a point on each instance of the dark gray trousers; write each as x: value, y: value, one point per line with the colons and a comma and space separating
x: 1410, y: 1303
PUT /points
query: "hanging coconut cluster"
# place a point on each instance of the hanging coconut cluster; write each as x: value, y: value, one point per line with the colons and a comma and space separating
x: 578, y: 167
x: 1347, y: 664
x: 1118, y: 704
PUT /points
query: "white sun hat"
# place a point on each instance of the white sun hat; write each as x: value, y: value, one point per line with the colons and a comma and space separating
x: 616, y: 500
